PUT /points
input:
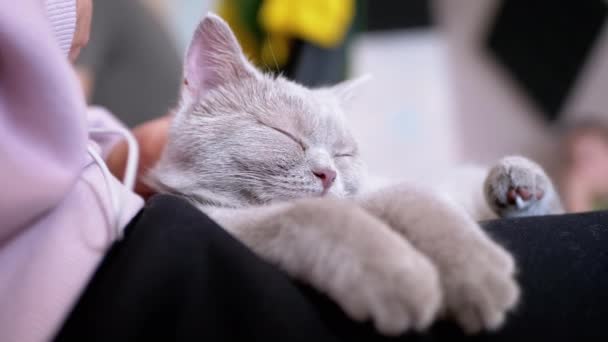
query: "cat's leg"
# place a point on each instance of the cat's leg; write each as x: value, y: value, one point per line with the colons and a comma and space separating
x: 464, y: 186
x: 516, y: 186
x: 477, y: 274
x: 345, y: 252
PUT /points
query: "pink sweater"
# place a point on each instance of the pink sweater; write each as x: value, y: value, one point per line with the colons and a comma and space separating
x: 56, y: 221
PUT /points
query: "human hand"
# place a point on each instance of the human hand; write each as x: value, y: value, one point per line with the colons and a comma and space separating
x: 151, y: 137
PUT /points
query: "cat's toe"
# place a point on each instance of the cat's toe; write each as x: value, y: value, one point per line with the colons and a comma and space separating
x: 483, y: 291
x: 484, y: 305
x: 524, y: 193
x: 410, y: 302
x: 520, y: 197
x: 397, y: 296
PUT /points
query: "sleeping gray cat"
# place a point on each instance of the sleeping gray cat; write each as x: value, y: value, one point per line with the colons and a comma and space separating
x: 275, y: 164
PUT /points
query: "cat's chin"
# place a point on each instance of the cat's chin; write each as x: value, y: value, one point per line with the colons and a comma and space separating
x: 331, y: 194
x: 318, y: 194
x: 314, y: 194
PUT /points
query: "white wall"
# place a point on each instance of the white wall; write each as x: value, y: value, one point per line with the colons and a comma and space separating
x: 183, y: 16
x: 403, y: 118
x: 494, y: 116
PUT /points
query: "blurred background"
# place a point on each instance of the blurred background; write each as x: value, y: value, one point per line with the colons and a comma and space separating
x: 454, y: 81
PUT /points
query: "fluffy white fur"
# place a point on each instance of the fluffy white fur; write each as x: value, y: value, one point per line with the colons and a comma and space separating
x: 245, y: 147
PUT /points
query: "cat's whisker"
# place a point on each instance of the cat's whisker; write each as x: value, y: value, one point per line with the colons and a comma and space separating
x: 273, y: 56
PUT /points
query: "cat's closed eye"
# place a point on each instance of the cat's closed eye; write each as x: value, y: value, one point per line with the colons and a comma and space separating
x: 344, y: 155
x: 289, y: 135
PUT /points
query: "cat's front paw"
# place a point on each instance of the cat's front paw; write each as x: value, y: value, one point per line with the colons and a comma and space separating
x: 476, y: 274
x: 398, y: 292
x: 368, y: 269
x: 396, y: 287
x: 516, y: 186
x: 480, y: 288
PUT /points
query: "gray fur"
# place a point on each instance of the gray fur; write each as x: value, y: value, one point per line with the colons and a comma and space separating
x: 244, y: 147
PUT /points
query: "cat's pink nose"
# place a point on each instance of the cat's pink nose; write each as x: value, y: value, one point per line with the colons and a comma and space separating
x: 327, y: 177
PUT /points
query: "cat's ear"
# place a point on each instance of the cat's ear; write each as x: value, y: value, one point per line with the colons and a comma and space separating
x: 214, y: 58
x: 347, y: 90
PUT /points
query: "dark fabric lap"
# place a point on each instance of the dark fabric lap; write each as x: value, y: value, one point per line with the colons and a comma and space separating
x: 177, y: 276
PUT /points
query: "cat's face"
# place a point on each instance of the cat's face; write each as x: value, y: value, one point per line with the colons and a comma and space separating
x: 240, y: 137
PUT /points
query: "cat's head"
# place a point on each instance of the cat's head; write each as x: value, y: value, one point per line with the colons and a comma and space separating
x: 241, y: 137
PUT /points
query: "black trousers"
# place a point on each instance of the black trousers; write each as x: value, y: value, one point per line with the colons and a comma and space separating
x: 177, y: 276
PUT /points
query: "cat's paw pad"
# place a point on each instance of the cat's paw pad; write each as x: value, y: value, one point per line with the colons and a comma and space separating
x: 397, y: 293
x: 520, y: 195
x: 516, y: 186
x: 481, y: 292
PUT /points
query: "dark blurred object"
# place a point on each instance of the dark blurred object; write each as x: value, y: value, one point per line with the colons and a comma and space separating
x: 177, y: 276
x: 545, y: 45
x: 315, y: 66
x: 383, y: 15
x: 132, y: 64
